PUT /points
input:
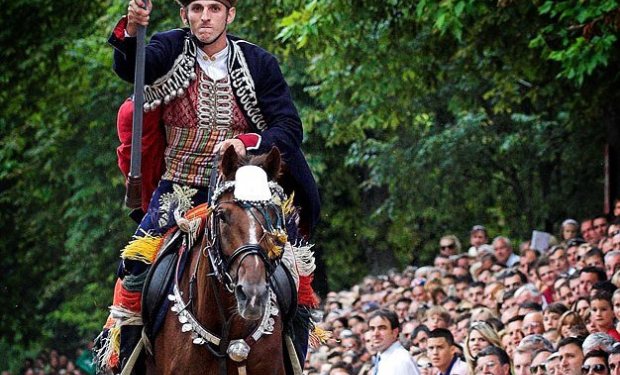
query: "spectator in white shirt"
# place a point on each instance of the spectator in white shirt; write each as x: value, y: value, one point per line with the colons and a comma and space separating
x: 391, y: 357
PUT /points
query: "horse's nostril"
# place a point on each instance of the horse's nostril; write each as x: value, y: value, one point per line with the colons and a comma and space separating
x: 241, y: 296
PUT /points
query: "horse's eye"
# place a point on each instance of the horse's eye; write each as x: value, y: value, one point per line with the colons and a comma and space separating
x: 221, y: 215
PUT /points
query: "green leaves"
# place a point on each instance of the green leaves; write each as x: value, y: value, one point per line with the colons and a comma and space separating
x: 583, y: 39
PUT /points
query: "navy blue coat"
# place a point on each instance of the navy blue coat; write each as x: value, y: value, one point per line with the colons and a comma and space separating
x: 283, y: 125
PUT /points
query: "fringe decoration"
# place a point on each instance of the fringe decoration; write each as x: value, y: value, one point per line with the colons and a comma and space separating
x: 109, y: 348
x: 143, y: 249
x: 288, y: 259
x: 319, y: 336
x: 305, y: 294
x: 193, y: 221
x: 108, y: 343
x: 287, y: 205
x: 305, y: 259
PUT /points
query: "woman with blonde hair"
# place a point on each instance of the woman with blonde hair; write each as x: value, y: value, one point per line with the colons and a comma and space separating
x: 480, y: 335
x: 571, y: 324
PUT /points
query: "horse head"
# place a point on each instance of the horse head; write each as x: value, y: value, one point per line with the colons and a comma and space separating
x: 249, y: 222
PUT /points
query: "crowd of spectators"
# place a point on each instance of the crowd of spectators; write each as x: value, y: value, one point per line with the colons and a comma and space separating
x: 491, y: 308
x: 54, y: 362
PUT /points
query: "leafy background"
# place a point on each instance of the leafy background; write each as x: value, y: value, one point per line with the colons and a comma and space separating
x: 422, y: 118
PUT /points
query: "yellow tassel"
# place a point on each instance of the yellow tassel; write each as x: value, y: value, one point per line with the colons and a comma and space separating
x: 143, y: 249
x: 287, y: 206
x: 275, y: 251
x: 319, y: 336
x: 115, y: 339
x: 277, y: 236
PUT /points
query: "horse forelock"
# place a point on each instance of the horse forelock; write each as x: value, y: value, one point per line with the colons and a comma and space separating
x: 256, y: 160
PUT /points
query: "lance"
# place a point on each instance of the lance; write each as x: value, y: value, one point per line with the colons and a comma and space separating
x: 133, y: 193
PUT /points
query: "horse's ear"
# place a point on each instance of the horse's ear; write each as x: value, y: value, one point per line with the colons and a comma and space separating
x: 273, y: 163
x: 229, y: 163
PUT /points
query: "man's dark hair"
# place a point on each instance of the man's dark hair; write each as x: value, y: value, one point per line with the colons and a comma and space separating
x: 541, y: 262
x: 602, y: 276
x: 556, y: 308
x: 496, y: 323
x: 467, y: 279
x: 477, y: 284
x: 596, y: 354
x: 442, y: 332
x: 335, y: 353
x: 388, y: 315
x: 462, y: 317
x: 359, y: 318
x: 517, y: 318
x: 498, y: 352
x: 570, y: 340
x: 513, y: 272
x: 420, y: 328
x: 531, y: 305
x: 601, y: 295
x: 594, y: 252
x: 600, y: 216
x: 342, y: 366
x: 454, y: 299
x: 404, y: 299
x: 604, y: 286
x: 555, y: 249
x: 451, y: 277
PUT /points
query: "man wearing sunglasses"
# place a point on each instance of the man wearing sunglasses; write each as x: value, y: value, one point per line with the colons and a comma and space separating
x: 539, y: 359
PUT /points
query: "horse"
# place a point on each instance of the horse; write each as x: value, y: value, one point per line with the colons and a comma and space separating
x: 223, y: 317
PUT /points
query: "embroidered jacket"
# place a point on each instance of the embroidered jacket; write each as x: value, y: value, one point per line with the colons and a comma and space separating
x: 260, y: 90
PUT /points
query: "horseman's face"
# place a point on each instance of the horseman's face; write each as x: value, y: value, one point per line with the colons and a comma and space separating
x: 207, y: 20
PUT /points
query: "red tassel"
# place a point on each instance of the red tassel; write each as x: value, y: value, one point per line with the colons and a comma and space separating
x: 306, y: 296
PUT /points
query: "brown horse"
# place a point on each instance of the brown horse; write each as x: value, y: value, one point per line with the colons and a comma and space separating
x: 223, y: 295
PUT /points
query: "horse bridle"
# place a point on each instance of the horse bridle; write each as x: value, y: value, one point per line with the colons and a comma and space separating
x: 222, y: 264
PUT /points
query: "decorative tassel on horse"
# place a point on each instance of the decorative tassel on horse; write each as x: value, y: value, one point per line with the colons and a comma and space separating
x: 143, y: 248
x: 319, y: 336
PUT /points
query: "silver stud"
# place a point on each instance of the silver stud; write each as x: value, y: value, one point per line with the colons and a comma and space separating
x: 186, y: 327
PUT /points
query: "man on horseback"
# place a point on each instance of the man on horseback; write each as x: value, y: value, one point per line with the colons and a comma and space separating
x: 206, y: 90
